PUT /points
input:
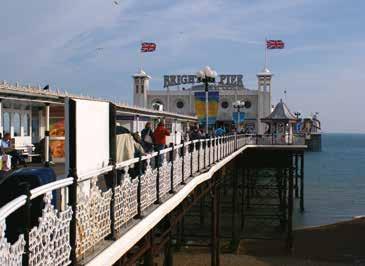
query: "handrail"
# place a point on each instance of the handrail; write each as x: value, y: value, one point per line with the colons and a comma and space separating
x: 93, y: 173
x: 12, y: 206
x: 38, y: 191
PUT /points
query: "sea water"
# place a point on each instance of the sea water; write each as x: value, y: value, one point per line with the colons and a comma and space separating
x: 334, y: 186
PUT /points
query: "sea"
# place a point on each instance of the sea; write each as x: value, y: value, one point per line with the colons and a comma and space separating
x: 334, y: 181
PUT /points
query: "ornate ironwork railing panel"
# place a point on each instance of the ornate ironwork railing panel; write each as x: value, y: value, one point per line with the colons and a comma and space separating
x: 10, y: 254
x: 148, y: 186
x: 49, y: 242
x: 92, y: 215
x: 165, y: 176
x: 125, y: 207
x: 177, y: 180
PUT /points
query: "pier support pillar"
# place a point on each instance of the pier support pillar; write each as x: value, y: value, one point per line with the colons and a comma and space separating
x: 290, y: 211
x: 235, y: 207
x: 215, y: 225
x: 296, y: 173
x: 202, y: 212
x: 302, y: 182
x: 243, y: 189
x: 148, y: 256
x: 168, y: 258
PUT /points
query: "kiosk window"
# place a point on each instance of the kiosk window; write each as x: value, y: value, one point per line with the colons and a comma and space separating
x: 16, y: 124
x: 6, y: 121
x: 25, y: 123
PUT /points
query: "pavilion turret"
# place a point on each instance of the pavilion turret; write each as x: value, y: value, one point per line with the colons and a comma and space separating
x: 281, y: 123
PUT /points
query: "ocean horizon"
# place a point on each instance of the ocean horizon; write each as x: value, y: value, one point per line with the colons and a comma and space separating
x: 334, y: 181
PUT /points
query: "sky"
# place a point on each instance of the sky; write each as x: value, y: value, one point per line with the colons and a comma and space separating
x: 91, y: 47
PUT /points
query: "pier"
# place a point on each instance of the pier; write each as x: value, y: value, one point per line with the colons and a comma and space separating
x: 106, y: 212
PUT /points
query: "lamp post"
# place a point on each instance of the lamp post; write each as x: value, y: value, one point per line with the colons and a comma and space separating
x: 238, y: 105
x: 297, y: 114
x: 206, y: 75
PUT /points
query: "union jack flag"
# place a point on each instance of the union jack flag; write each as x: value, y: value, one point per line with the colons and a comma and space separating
x: 148, y: 47
x: 275, y: 44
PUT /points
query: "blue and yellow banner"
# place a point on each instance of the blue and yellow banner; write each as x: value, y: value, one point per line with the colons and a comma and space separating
x: 213, y: 100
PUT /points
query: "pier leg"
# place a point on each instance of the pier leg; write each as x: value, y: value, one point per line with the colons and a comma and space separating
x: 279, y: 174
x: 235, y: 233
x: 296, y: 176
x: 215, y: 226
x: 168, y: 258
x: 244, y: 173
x: 148, y: 256
x: 302, y: 182
x: 201, y: 212
x: 248, y: 186
x: 290, y: 211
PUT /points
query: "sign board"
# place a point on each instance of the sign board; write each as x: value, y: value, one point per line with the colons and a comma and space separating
x: 224, y: 81
x: 90, y: 134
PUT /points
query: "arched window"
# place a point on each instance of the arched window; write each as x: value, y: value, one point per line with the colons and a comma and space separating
x: 26, y: 123
x: 6, y: 122
x: 16, y: 124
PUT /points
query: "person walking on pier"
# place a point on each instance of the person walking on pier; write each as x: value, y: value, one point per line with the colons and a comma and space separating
x: 147, y: 138
x: 159, y: 137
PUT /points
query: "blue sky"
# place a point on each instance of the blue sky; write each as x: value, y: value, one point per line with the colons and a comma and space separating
x: 48, y: 41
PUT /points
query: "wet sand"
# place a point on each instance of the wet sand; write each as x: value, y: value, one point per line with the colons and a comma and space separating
x: 336, y: 244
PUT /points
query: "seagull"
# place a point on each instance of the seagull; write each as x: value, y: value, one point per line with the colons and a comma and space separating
x: 116, y: 2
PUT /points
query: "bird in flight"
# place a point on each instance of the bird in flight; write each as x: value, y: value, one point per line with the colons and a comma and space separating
x: 116, y: 2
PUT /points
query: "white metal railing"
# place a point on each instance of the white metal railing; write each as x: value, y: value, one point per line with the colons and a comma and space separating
x: 86, y: 214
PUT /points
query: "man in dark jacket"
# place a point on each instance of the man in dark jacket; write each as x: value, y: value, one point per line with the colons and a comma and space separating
x: 147, y: 138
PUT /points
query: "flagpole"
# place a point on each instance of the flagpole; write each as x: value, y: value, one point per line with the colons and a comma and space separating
x: 265, y: 52
x: 141, y: 55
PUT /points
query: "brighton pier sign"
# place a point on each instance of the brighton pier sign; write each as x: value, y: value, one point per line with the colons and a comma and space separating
x: 225, y: 81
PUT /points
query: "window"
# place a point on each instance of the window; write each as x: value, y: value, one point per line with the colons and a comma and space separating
x: 224, y: 105
x: 180, y: 104
x: 142, y: 88
x: 16, y: 124
x: 247, y: 104
x: 6, y: 122
x: 137, y: 88
x: 25, y: 123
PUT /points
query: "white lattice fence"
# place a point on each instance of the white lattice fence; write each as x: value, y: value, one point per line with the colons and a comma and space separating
x: 93, y: 216
x: 201, y: 156
x: 187, y: 167
x: 165, y: 177
x: 195, y: 160
x: 49, y: 242
x: 177, y: 170
x: 10, y: 254
x: 148, y: 187
x: 125, y: 207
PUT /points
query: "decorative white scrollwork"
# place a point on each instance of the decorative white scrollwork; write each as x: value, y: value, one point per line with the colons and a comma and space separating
x: 187, y: 164
x: 125, y: 207
x: 148, y: 186
x: 211, y: 152
x: 177, y: 170
x: 195, y: 159
x: 92, y: 216
x: 49, y: 242
x: 201, y: 156
x: 10, y: 254
x: 165, y: 177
